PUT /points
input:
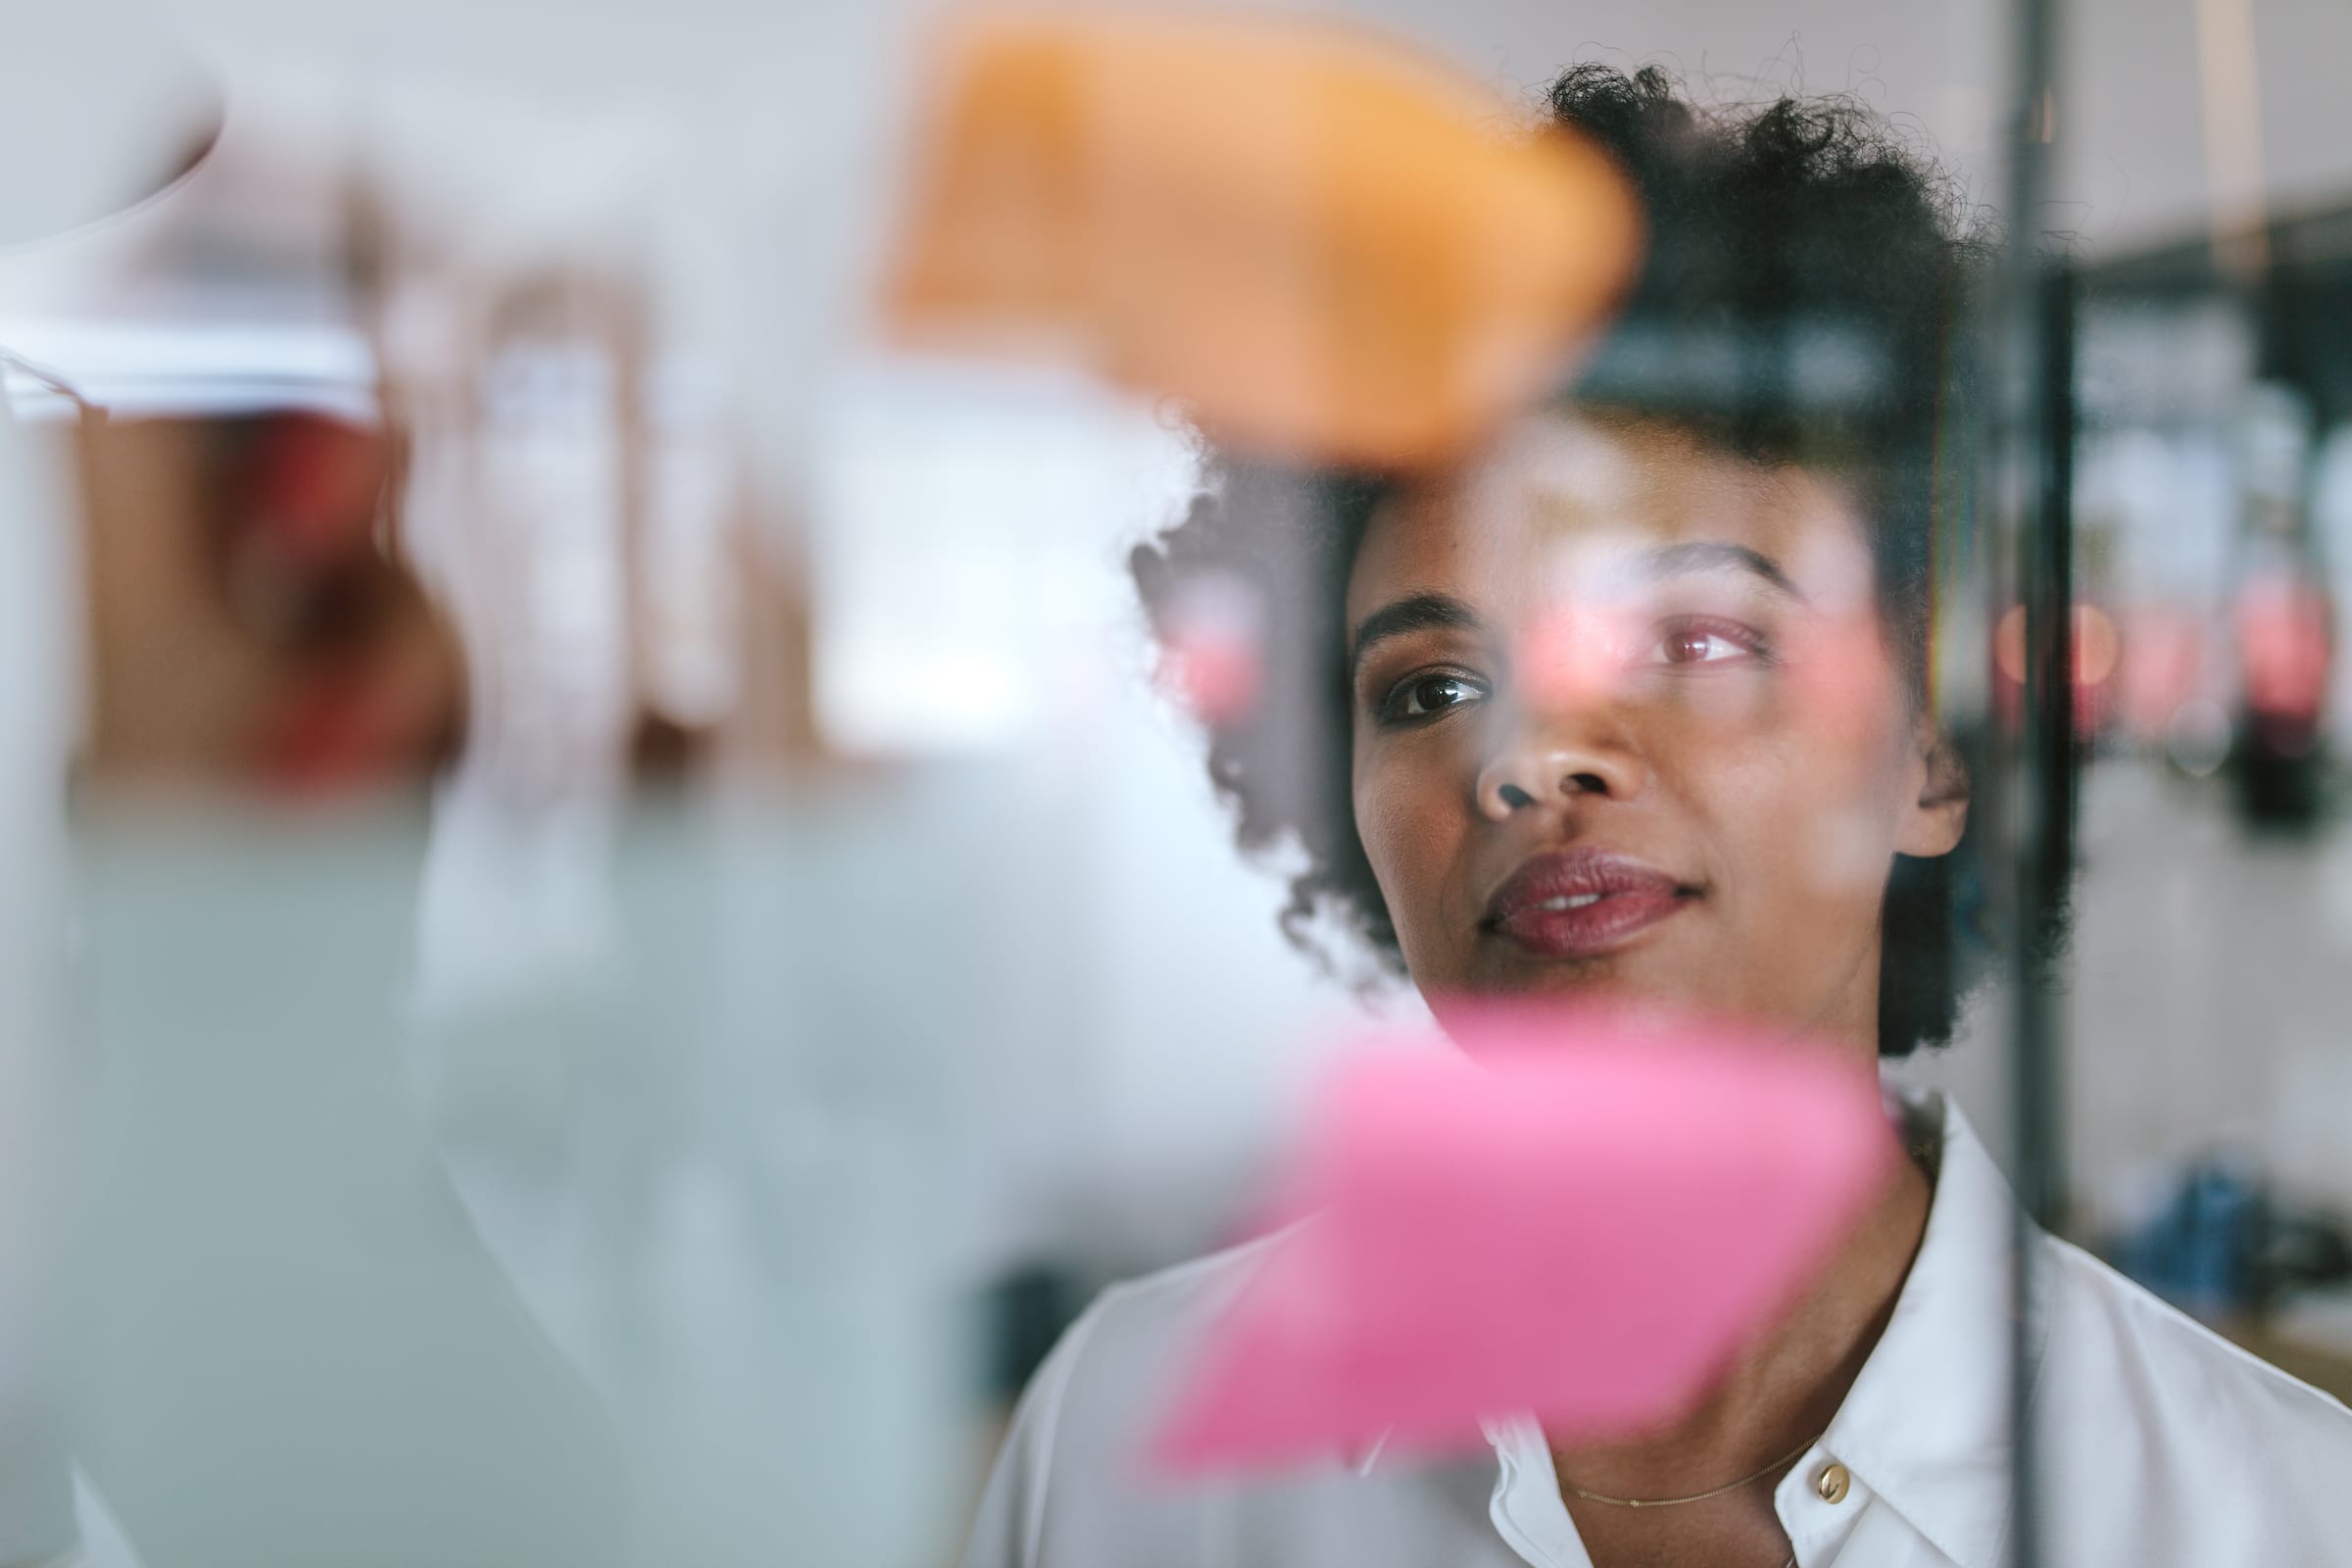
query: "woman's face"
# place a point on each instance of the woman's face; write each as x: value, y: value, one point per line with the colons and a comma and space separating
x: 1626, y: 722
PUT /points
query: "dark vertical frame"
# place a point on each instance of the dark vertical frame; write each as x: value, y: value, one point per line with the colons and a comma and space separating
x: 2031, y: 793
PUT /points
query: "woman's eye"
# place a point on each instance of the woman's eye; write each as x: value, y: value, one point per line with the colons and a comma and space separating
x: 1427, y: 695
x: 1685, y: 644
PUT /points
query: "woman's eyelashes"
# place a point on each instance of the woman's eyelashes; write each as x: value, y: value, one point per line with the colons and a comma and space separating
x: 1427, y: 694
x: 1703, y: 642
x: 1678, y: 643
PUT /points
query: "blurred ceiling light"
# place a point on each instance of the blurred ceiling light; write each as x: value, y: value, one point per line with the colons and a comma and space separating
x: 1322, y: 244
x: 150, y: 369
x: 102, y: 110
x: 2097, y: 645
x: 2231, y: 83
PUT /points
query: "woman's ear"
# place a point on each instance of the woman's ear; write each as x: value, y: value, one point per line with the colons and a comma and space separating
x: 1934, y: 822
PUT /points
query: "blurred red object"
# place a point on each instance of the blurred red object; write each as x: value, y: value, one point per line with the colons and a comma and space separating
x: 312, y: 488
x: 2162, y: 661
x: 1575, y: 655
x: 1324, y: 245
x: 252, y: 621
x: 2099, y: 654
x: 2285, y: 647
x: 1586, y: 1223
x: 1214, y: 651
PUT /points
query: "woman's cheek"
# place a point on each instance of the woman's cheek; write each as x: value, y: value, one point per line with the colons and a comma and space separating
x: 1724, y: 707
x: 1815, y: 795
x: 1412, y: 831
x: 1844, y: 801
x: 1824, y: 848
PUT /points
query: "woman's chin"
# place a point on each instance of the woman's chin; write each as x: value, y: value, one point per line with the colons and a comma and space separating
x: 1582, y: 994
x: 1633, y: 978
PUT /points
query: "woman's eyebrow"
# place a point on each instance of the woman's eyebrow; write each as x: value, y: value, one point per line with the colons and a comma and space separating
x: 1717, y: 555
x: 1414, y: 613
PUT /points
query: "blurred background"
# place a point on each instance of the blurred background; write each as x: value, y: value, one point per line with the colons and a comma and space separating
x: 609, y: 922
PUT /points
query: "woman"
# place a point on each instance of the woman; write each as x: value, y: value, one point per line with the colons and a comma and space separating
x: 1635, y: 702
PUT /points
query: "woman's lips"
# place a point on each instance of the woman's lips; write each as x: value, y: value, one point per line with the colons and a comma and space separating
x: 1576, y: 904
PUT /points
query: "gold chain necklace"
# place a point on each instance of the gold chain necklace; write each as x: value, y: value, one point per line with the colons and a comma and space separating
x: 1781, y: 1462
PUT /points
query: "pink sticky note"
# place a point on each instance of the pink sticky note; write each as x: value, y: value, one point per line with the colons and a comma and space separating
x: 1584, y: 1223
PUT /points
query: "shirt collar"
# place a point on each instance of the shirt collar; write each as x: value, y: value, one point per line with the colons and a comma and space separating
x: 1926, y: 1425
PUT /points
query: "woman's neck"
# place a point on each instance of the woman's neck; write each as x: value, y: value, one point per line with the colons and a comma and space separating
x: 1784, y: 1388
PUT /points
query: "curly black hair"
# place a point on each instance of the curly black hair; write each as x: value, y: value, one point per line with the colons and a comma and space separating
x: 1797, y: 302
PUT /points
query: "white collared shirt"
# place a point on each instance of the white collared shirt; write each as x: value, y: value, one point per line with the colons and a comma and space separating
x: 2164, y: 1443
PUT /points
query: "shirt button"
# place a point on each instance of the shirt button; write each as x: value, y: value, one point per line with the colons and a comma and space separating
x: 1833, y: 1483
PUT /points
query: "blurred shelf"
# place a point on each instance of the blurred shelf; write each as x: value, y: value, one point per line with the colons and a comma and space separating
x: 2308, y: 1337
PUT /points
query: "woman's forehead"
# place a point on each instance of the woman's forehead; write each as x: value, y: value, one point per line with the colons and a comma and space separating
x: 1568, y: 492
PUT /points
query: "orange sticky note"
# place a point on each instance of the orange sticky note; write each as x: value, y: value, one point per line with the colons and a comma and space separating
x: 1323, y: 245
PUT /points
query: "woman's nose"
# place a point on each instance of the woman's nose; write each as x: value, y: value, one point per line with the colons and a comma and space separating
x: 1557, y: 760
